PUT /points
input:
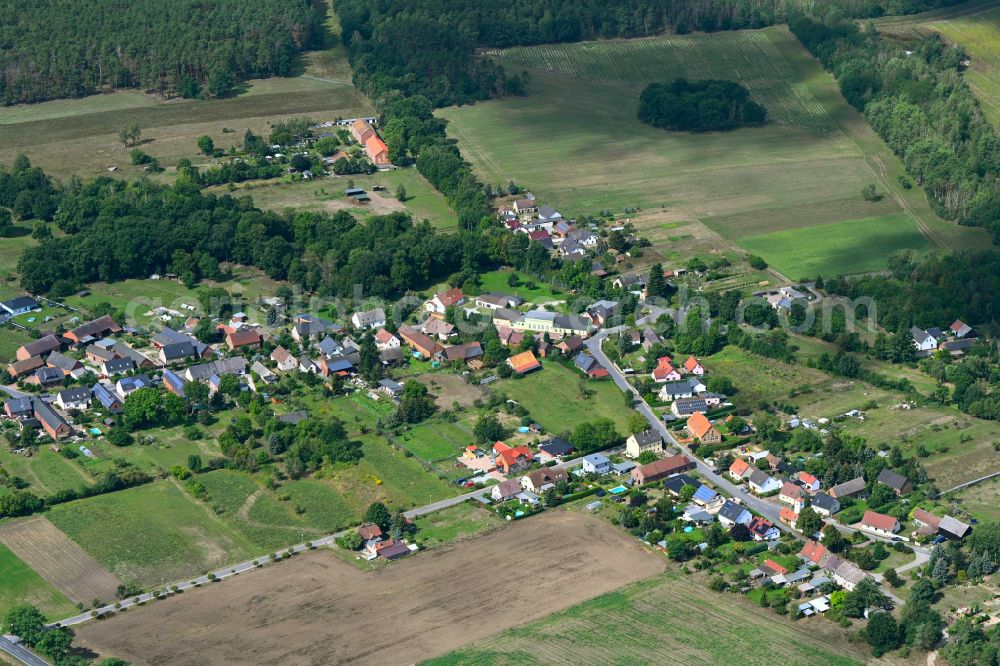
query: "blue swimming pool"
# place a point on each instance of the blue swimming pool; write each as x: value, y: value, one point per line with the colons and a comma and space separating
x: 618, y: 490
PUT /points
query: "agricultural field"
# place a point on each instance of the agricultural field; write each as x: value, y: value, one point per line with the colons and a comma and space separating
x: 22, y: 585
x: 650, y: 622
x: 975, y: 26
x: 58, y: 561
x: 704, y: 192
x: 558, y: 397
x: 317, y: 608
x: 153, y: 534
x: 326, y: 195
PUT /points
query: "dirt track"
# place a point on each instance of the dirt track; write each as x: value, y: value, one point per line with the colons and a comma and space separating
x: 316, y: 609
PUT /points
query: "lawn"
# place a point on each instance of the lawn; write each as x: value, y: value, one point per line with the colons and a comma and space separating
x: 668, y: 619
x: 21, y: 585
x: 322, y: 508
x: 536, y: 293
x: 553, y: 397
x: 46, y: 472
x: 805, y: 169
x: 436, y: 440
x: 838, y: 248
x: 462, y: 520
x: 152, y: 534
x: 975, y: 26
x: 759, y: 379
x: 327, y: 195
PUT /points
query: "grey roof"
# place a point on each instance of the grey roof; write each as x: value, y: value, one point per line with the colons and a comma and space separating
x: 688, y: 406
x: 586, y: 362
x: 851, y: 487
x: 731, y: 511
x: 47, y: 415
x: 647, y: 437
x: 19, y: 303
x: 677, y: 482
x: 168, y: 336
x: 174, y: 381
x: 959, y: 345
x: 556, y: 446
x: 19, y: 405
x: 369, y: 317
x: 103, y: 353
x: 328, y: 346
x: 74, y: 394
x: 104, y: 396
x: 49, y: 375
x: 118, y: 365
x: 42, y: 345
x: 232, y: 366
x: 294, y: 417
x: 61, y: 361
x: 597, y: 459
x: 125, y: 351
x: 758, y: 477
x: 953, y: 526
x: 825, y: 502
x: 391, y: 385
x: 572, y: 323
x: 623, y: 467
x: 177, y: 350
x: 134, y: 383
x: 892, y: 479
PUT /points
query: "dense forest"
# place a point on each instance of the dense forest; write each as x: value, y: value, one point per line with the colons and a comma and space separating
x: 921, y: 106
x: 70, y: 48
x: 699, y: 106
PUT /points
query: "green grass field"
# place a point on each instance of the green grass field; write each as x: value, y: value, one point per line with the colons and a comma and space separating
x: 327, y: 195
x: 668, y: 619
x: 804, y: 170
x: 462, y: 520
x: 975, y: 26
x: 436, y: 440
x: 19, y: 584
x: 152, y: 534
x: 853, y: 246
x: 46, y: 472
x: 538, y: 293
x: 323, y: 508
x: 552, y: 397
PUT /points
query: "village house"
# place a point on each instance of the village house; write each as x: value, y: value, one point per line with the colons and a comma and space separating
x: 74, y: 399
x: 555, y: 448
x: 660, y: 469
x: 852, y: 488
x: 117, y: 366
x: 699, y: 427
x: 126, y: 386
x: 46, y: 376
x: 143, y: 362
x: 505, y: 490
x: 511, y: 460
x: 43, y: 345
x: 263, y: 373
x: 762, y: 483
x: 793, y: 495
x: 740, y: 469
x: 374, y: 318
x: 205, y: 371
x: 596, y: 463
x: 880, y: 523
x: 443, y: 300
x: 676, y: 390
x: 952, y: 528
x: 960, y: 329
x: 825, y: 505
x: 676, y: 483
x: 19, y: 369
x: 439, y: 328
x: 107, y: 398
x: 732, y: 513
x: 463, y: 353
x: 18, y: 408
x: 925, y: 341
x: 899, y: 483
x: 97, y: 354
x: 809, y: 482
x: 284, y: 359
x: 570, y: 345
x: 496, y: 300
x: 60, y: 361
x: 647, y: 440
x: 693, y: 366
x: 601, y: 311
x: 590, y: 366
x: 665, y: 371
x: 419, y: 342
x: 385, y: 340
x: 19, y: 305
x: 524, y: 362
x: 540, y: 480
x: 92, y: 330
x: 763, y: 529
x: 53, y: 424
x: 244, y: 337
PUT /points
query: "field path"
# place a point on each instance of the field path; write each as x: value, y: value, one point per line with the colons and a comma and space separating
x: 883, y: 175
x: 244, y: 511
x: 973, y: 8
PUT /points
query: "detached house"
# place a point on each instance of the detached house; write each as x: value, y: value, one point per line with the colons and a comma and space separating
x: 761, y: 483
x: 596, y: 463
x: 244, y: 338
x: 511, y: 460
x: 386, y: 340
x: 665, y: 371
x: 852, y: 488
x: 374, y: 318
x: 740, y: 469
x: 825, y: 505
x: 441, y: 301
x: 699, y: 427
x: 899, y: 483
x: 693, y: 366
x: 18, y: 408
x: 505, y: 490
x: 923, y: 340
x: 660, y: 469
x: 93, y: 330
x: 74, y: 399
x: 285, y: 360
x: 732, y: 513
x: 647, y: 440
x: 880, y: 523
x: 763, y: 529
x: 540, y: 480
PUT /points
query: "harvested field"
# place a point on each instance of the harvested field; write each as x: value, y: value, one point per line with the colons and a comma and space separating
x: 448, y: 388
x: 59, y: 560
x: 317, y: 609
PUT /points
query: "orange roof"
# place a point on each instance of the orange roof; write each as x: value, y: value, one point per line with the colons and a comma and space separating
x: 774, y: 566
x: 879, y: 521
x: 739, y: 466
x: 524, y: 362
x: 500, y: 446
x: 450, y: 297
x: 788, y: 516
x: 698, y: 425
x: 813, y: 551
x: 691, y: 363
x: 384, y: 335
x: 374, y: 146
x: 789, y: 489
x: 806, y: 477
x: 663, y: 367
x: 510, y: 455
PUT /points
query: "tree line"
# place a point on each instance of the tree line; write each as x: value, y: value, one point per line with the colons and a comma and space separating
x: 917, y: 101
x: 58, y: 49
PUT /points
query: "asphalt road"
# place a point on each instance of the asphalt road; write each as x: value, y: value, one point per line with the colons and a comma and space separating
x: 21, y: 654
